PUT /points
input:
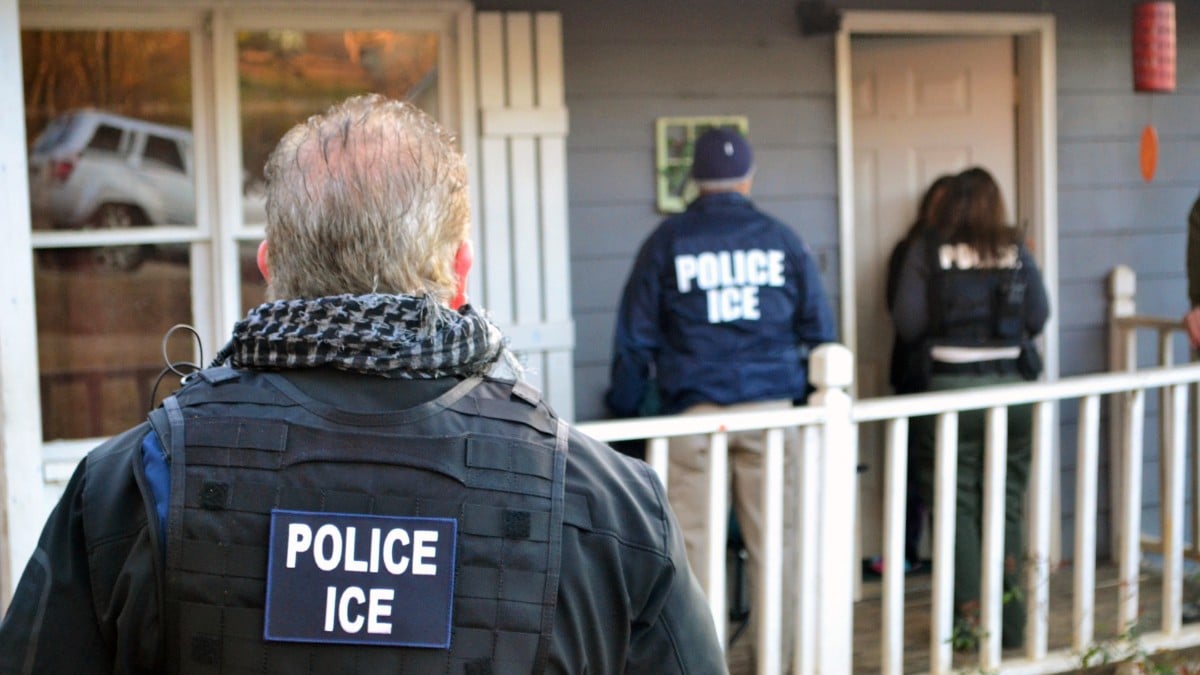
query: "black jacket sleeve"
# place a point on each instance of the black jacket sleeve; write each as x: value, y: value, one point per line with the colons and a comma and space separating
x: 88, y: 599
x: 674, y: 633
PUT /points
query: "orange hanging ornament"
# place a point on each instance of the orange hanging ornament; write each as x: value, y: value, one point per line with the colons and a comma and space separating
x: 1148, y: 152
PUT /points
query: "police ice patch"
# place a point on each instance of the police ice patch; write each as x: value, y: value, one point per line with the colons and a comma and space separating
x: 360, y: 579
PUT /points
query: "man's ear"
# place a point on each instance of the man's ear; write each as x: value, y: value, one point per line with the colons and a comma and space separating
x: 263, y: 267
x: 464, y: 257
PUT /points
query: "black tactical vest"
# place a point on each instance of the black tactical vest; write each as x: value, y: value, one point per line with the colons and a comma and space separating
x: 488, y: 457
x: 976, y: 307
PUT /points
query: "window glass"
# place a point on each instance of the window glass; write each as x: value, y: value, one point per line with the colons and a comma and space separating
x: 287, y: 75
x: 106, y: 138
x: 54, y: 133
x: 103, y: 309
x: 163, y: 150
x: 102, y: 313
x: 88, y: 90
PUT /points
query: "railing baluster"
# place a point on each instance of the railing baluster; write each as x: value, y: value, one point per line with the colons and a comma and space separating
x: 1172, y: 508
x: 657, y: 456
x: 831, y: 369
x: 718, y: 528
x: 770, y: 593
x: 1041, y: 488
x: 809, y: 505
x: 1123, y: 351
x: 1166, y: 357
x: 992, y: 567
x: 896, y: 493
x: 944, y: 505
x: 1087, y: 460
x: 1131, y: 510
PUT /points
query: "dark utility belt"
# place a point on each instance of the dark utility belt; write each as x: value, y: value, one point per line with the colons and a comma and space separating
x: 993, y: 367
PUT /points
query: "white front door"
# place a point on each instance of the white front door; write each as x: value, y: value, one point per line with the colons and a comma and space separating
x: 922, y: 107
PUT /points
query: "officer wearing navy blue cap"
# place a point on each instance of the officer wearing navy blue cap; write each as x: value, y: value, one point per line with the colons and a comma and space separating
x: 719, y: 313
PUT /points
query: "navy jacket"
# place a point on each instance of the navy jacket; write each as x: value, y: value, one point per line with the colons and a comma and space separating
x: 723, y: 305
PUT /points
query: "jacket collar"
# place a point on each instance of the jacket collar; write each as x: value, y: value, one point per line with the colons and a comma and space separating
x: 714, y: 201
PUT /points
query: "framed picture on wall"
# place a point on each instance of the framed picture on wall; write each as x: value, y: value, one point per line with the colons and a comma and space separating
x: 674, y: 137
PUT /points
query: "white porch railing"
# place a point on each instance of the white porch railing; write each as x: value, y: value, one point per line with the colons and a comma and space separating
x: 825, y: 539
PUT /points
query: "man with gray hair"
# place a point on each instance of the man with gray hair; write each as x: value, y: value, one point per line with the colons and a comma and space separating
x: 359, y: 483
x: 720, y: 311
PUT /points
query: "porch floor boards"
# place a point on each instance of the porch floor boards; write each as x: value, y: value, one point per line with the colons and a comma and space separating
x: 918, y: 595
x: 868, y: 620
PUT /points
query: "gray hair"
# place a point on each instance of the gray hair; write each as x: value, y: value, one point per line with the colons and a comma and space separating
x: 368, y: 197
x: 723, y: 184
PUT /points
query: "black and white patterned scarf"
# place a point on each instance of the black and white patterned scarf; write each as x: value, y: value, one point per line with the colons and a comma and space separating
x: 398, y: 336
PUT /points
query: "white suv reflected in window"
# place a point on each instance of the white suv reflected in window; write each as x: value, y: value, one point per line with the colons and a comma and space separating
x: 90, y: 169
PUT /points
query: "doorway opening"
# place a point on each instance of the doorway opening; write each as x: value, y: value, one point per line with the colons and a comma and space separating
x: 1026, y: 43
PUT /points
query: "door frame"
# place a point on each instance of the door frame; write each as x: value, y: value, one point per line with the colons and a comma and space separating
x: 1036, y: 180
x: 1036, y: 135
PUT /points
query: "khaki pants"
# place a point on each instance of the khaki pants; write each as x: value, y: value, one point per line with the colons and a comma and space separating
x: 687, y: 488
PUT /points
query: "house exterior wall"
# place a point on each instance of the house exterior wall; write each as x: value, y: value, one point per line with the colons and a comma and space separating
x: 628, y: 62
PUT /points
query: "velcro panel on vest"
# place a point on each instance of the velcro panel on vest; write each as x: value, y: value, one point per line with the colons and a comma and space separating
x: 261, y: 498
x: 220, y: 375
x: 226, y: 648
x: 512, y: 402
x: 244, y: 434
x: 201, y: 392
x: 249, y: 562
x: 485, y: 612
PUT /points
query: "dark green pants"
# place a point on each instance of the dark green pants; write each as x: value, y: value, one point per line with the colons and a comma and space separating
x: 968, y: 546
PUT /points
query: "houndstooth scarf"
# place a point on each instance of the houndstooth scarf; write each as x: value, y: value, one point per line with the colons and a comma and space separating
x: 398, y: 336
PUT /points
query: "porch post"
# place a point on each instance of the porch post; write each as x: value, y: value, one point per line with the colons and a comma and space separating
x: 21, y: 485
x: 832, y: 371
x: 1122, y: 356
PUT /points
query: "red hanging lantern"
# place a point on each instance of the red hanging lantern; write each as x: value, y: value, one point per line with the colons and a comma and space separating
x: 1154, y: 46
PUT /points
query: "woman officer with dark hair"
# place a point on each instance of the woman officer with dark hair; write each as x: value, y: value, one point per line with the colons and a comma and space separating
x: 970, y: 292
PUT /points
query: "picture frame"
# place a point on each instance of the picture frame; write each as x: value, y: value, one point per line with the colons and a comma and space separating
x: 674, y: 138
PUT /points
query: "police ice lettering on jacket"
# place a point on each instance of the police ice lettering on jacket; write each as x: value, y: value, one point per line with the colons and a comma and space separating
x: 730, y: 280
x: 965, y: 257
x: 360, y: 579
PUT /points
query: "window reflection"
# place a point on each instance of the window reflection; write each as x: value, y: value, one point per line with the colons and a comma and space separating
x: 287, y: 75
x: 110, y: 117
x: 100, y: 331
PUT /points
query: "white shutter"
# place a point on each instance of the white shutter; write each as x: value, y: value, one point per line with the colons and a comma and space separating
x: 521, y: 226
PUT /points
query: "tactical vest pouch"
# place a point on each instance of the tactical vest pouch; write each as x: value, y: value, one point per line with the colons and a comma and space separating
x: 1029, y: 363
x: 913, y: 367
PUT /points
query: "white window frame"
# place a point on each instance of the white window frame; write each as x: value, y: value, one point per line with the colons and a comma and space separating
x: 217, y: 152
x: 32, y: 472
x: 61, y: 456
x: 450, y: 20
